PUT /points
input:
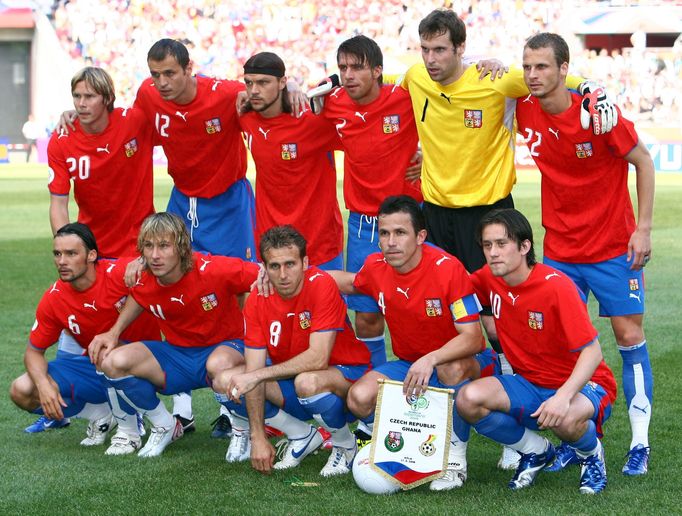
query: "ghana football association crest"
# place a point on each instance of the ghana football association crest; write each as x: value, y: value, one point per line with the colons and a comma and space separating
x: 394, y: 441
x: 427, y: 448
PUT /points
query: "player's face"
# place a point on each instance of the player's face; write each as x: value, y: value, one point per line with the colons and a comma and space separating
x: 90, y: 107
x: 441, y: 58
x: 503, y: 255
x: 360, y: 81
x: 162, y: 259
x: 541, y: 73
x: 399, y: 243
x: 285, y: 270
x: 264, y: 93
x: 71, y: 258
x: 172, y: 81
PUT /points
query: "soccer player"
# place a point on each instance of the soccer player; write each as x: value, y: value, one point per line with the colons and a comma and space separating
x: 295, y: 168
x: 561, y: 382
x: 378, y: 136
x: 432, y: 315
x: 596, y: 242
x: 303, y: 328
x: 108, y: 156
x: 193, y: 297
x: 84, y: 301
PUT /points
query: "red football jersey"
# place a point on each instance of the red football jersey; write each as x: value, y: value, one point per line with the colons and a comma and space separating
x: 202, y: 139
x: 586, y: 207
x: 379, y: 140
x: 296, y: 179
x: 86, y: 314
x: 421, y: 306
x: 201, y: 308
x: 283, y: 326
x: 542, y: 325
x: 112, y: 178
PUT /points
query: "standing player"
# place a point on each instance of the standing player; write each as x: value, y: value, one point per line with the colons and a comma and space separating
x: 193, y: 297
x: 596, y: 243
x: 84, y: 301
x: 379, y: 139
x: 295, y: 169
x: 108, y: 155
x: 561, y: 382
x: 303, y: 328
x: 432, y: 314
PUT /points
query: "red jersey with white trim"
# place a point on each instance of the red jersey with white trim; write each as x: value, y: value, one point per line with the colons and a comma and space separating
x: 90, y: 312
x: 542, y: 325
x: 201, y: 308
x: 422, y: 306
x: 112, y: 178
x: 284, y: 326
x: 201, y: 139
x: 379, y: 140
x: 296, y: 179
x: 586, y: 207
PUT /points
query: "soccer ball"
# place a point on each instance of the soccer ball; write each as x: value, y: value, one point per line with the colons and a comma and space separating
x: 369, y: 480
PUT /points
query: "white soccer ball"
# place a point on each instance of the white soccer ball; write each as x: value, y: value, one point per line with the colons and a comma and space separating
x: 369, y: 480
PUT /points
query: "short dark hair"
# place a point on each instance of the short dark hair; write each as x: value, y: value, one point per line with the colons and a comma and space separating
x: 553, y: 41
x: 439, y: 22
x: 278, y: 237
x: 364, y: 49
x: 404, y: 204
x: 516, y: 226
x: 268, y: 63
x: 169, y: 47
x: 82, y: 231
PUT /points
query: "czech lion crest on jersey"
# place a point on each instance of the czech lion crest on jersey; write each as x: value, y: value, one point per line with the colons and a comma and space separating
x: 391, y: 124
x: 394, y: 442
x: 583, y: 150
x: 289, y: 151
x: 434, y: 308
x: 473, y: 118
x: 130, y: 148
x: 118, y: 305
x: 634, y: 284
x: 304, y: 319
x: 536, y: 321
x: 213, y: 126
x: 209, y: 302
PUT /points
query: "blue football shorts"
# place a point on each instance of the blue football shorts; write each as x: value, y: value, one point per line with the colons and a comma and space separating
x: 77, y: 379
x: 362, y: 240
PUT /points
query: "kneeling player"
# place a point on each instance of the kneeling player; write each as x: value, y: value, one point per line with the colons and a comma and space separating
x: 193, y: 297
x: 432, y: 314
x: 83, y: 301
x: 561, y: 382
x: 304, y: 329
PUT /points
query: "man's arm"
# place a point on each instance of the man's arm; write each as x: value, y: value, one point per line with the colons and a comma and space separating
x: 50, y: 399
x: 103, y: 343
x: 639, y: 246
x: 59, y: 211
x: 552, y: 411
x: 464, y: 345
x: 344, y: 280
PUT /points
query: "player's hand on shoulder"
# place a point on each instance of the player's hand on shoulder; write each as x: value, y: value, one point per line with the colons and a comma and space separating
x: 262, y: 455
x: 297, y: 99
x: 240, y: 103
x: 262, y: 283
x: 134, y: 271
x: 597, y: 108
x: 66, y: 121
x: 493, y: 67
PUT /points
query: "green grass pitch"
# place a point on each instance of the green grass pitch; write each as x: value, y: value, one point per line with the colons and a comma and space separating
x: 51, y: 473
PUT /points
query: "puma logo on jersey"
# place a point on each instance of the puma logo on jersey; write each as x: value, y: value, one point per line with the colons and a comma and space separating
x: 290, y: 314
x: 178, y: 299
x: 311, y: 278
x: 104, y: 149
x: 125, y: 112
x: 203, y: 265
x: 513, y: 298
x: 446, y: 97
x: 635, y: 296
x: 61, y: 134
x: 441, y: 259
x: 335, y: 93
x: 340, y: 126
x: 182, y: 115
x: 555, y: 132
x: 89, y: 305
x: 529, y: 99
x: 54, y: 288
x: 403, y: 292
x: 551, y: 276
x: 361, y: 115
x: 215, y: 85
x: 264, y: 133
x: 111, y: 267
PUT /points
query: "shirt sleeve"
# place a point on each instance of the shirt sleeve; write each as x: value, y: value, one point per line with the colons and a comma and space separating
x: 46, y: 328
x: 329, y: 311
x: 254, y: 337
x: 59, y: 180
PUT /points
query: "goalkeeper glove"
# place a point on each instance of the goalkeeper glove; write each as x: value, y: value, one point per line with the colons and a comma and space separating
x: 597, y: 108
